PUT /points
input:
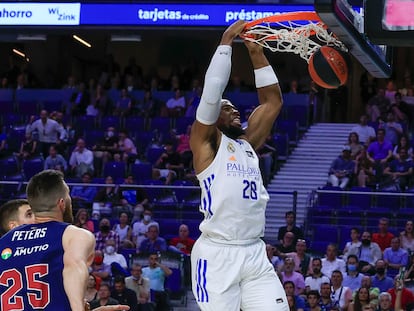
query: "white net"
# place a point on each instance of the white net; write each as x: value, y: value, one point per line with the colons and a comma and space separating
x: 294, y: 37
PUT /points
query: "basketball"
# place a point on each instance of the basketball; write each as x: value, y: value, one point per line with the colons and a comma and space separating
x: 328, y: 67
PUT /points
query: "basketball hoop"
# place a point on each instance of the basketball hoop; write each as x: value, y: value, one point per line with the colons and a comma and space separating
x: 301, y: 33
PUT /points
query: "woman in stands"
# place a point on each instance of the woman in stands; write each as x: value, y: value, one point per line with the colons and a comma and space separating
x: 82, y: 220
x: 353, y: 142
x: 124, y: 230
x: 361, y: 300
x: 403, y: 143
x: 364, y: 169
x: 407, y: 237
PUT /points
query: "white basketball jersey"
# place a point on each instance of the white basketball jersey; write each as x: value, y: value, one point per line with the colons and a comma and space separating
x: 233, y: 197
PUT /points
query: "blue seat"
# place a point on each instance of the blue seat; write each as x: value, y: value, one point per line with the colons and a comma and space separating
x: 282, y: 146
x: 31, y: 167
x: 334, y: 200
x: 327, y: 233
x: 52, y: 105
x: 84, y: 123
x: 291, y: 128
x: 182, y: 123
x: 8, y: 167
x: 115, y: 169
x: 162, y: 125
x: 360, y: 201
x: 299, y: 113
x: 141, y: 171
x: 108, y: 121
x: 12, y: 119
x: 134, y: 124
x: 391, y: 201
x: 93, y: 137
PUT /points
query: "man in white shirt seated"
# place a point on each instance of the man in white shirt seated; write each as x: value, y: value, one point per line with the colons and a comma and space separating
x: 331, y: 262
x: 365, y: 132
x: 111, y: 257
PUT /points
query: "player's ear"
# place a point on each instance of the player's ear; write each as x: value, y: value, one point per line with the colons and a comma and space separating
x: 12, y: 224
x: 61, y: 204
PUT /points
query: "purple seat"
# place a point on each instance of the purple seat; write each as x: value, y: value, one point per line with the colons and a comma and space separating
x: 161, y: 124
x: 153, y: 154
x: 182, y: 123
x: 108, y: 121
x: 115, y: 169
x: 31, y: 167
x: 134, y: 124
x: 141, y: 171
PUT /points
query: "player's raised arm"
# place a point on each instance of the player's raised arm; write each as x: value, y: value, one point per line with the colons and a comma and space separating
x: 204, y: 134
x: 79, y: 247
x: 270, y: 97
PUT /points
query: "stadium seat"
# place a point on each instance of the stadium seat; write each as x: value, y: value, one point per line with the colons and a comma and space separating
x: 115, y: 169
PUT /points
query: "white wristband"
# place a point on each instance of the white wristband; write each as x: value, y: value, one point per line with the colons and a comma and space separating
x: 265, y: 76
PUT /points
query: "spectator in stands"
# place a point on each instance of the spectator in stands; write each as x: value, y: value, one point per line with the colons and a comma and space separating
x: 50, y: 132
x: 267, y: 157
x: 111, y: 256
x: 361, y: 300
x: 379, y: 153
x: 153, y: 242
x: 354, y: 144
x: 135, y: 198
x: 373, y: 291
x: 81, y: 159
x: 109, y: 198
x: 341, y: 295
x: 55, y: 161
x: 353, y: 278
x: 82, y: 220
x: 169, y: 165
x: 317, y: 278
x: 276, y: 261
x: 380, y: 279
x: 28, y: 148
x: 403, y: 143
x: 342, y: 169
x: 313, y: 300
x: 393, y: 129
x: 364, y: 169
x: 140, y: 285
x: 103, y: 151
x: 378, y: 105
x: 98, y: 269
x: 100, y: 101
x: 383, y: 237
x: 124, y: 230
x: 91, y: 289
x: 290, y: 290
x: 104, y: 234
x: 80, y: 100
x: 183, y: 148
x: 385, y: 302
x: 123, y: 294
x: 407, y: 296
x: 288, y: 245
x: 366, y: 133
x: 407, y: 237
x: 400, y: 109
x: 368, y: 253
x: 127, y: 151
x: 156, y: 272
x: 82, y: 196
x: 400, y: 171
x: 105, y: 298
x: 355, y: 242
x: 183, y: 242
x: 300, y: 257
x: 326, y: 301
x: 176, y: 105
x: 124, y: 105
x: 290, y: 218
x: 140, y: 229
x: 395, y: 257
x: 289, y: 274
x: 409, y: 274
x: 331, y: 262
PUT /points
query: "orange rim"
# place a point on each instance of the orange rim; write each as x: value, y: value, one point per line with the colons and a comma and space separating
x: 291, y: 16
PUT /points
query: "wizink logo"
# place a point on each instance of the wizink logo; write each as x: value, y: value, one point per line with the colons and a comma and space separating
x: 15, y: 13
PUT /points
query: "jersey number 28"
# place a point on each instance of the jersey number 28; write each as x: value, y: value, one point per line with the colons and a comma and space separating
x: 249, y: 190
x: 38, y: 292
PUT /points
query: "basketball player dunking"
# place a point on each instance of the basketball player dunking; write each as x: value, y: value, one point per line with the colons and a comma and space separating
x: 44, y: 266
x: 230, y: 269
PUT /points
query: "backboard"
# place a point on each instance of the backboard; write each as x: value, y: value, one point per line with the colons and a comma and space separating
x: 347, y: 23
